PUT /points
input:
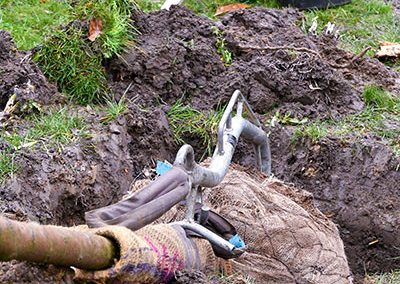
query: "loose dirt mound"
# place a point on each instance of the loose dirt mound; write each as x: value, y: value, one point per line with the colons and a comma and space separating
x: 20, y: 76
x: 177, y: 58
x: 58, y: 187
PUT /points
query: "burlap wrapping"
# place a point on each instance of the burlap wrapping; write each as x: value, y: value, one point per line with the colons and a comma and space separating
x: 151, y: 255
x: 289, y: 240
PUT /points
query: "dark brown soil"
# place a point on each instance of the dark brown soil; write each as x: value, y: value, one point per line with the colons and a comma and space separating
x: 58, y: 187
x: 176, y: 57
x: 22, y: 272
x: 20, y: 76
x: 356, y: 184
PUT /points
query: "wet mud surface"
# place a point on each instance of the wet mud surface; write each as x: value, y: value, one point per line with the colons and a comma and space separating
x: 58, y: 187
x: 277, y: 67
x: 356, y: 185
x: 20, y: 76
x: 22, y: 272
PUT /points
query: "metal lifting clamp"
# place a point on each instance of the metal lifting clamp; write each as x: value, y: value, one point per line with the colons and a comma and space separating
x: 186, y: 178
x: 231, y: 127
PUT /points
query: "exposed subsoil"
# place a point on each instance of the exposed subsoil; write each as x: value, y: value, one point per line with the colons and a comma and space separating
x: 276, y: 66
x: 57, y: 187
x: 355, y: 184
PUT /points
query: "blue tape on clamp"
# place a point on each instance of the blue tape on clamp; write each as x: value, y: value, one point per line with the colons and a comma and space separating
x: 162, y: 168
x: 237, y: 241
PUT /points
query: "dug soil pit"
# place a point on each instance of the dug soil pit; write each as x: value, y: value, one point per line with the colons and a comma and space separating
x: 278, y: 68
x: 356, y: 184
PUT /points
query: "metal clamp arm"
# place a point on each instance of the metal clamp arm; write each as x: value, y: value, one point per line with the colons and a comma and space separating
x: 229, y: 130
x: 213, y: 238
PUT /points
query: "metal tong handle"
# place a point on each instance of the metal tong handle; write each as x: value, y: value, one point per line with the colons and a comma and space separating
x: 229, y: 130
x: 226, y: 120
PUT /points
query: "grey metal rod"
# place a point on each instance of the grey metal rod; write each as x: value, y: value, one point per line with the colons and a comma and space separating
x: 210, y: 236
x: 214, y: 174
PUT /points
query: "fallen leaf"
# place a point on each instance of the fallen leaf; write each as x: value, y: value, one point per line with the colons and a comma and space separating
x: 230, y: 7
x: 95, y: 28
x: 388, y: 49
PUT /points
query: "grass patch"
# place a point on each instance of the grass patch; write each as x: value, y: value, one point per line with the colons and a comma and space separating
x: 386, y: 278
x: 58, y: 127
x: 362, y: 23
x: 149, y: 6
x: 286, y: 119
x: 55, y: 129
x: 7, y: 166
x: 377, y: 97
x: 380, y: 117
x: 68, y: 59
x: 74, y: 62
x: 186, y: 122
x: 315, y: 131
x: 222, y: 49
x: 208, y: 7
x: 117, y: 32
x: 29, y: 21
x: 114, y: 109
